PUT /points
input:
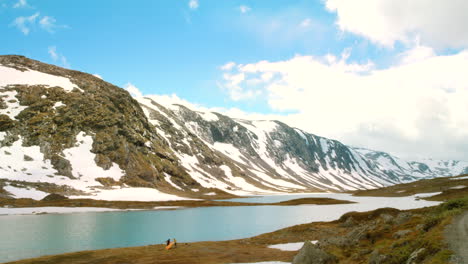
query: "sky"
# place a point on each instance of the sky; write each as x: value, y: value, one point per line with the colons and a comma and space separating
x: 388, y: 75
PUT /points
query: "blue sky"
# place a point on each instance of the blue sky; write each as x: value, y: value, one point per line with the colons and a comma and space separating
x: 167, y: 47
x: 383, y: 74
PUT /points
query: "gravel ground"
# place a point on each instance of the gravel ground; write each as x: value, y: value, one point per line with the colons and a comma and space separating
x: 457, y: 237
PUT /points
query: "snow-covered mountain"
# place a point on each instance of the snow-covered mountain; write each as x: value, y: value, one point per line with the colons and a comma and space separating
x: 273, y: 155
x: 69, y: 132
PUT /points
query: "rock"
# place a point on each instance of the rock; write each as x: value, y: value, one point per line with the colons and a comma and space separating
x: 351, y: 238
x: 6, y: 123
x: 403, y: 218
x: 388, y: 219
x: 27, y: 158
x: 312, y: 254
x: 349, y: 222
x: 336, y: 240
x: 62, y: 166
x: 376, y: 257
x: 420, y: 227
x: 54, y: 197
x: 414, y: 256
x: 358, y: 233
x: 401, y: 233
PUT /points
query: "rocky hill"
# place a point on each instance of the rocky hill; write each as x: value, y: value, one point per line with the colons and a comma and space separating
x: 72, y: 133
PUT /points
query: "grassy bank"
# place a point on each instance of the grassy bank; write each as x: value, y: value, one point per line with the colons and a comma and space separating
x: 18, y: 203
x: 449, y: 188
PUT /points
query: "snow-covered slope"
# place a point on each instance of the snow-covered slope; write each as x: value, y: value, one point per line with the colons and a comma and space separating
x: 233, y: 154
x: 69, y: 132
x: 409, y: 170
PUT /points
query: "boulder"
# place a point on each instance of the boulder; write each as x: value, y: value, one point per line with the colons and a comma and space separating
x: 350, y: 222
x: 388, y: 219
x: 414, y: 257
x: 6, y: 123
x: 403, y: 218
x: 401, y: 233
x: 376, y: 257
x: 312, y: 254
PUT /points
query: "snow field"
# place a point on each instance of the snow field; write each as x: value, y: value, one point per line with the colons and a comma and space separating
x: 291, y: 246
x: 11, y: 76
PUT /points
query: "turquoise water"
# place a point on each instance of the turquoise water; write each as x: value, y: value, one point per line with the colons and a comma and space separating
x: 26, y: 236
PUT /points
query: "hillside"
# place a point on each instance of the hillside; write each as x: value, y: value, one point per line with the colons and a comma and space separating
x: 68, y: 132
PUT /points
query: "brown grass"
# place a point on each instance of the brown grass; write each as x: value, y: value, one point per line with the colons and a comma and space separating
x: 150, y: 205
x: 443, y: 184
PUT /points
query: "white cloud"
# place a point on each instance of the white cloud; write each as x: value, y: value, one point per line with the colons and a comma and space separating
x: 306, y: 23
x: 417, y: 107
x: 244, y: 9
x: 436, y: 23
x: 48, y: 23
x: 24, y: 23
x: 57, y: 57
x: 133, y: 90
x: 193, y: 4
x: 21, y: 4
x: 228, y: 66
x: 53, y: 53
x: 416, y: 54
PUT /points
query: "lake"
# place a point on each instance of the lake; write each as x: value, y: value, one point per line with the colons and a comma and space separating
x: 26, y: 236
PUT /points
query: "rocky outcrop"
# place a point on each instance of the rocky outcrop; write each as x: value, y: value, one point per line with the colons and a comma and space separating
x: 312, y: 254
x: 54, y: 197
x: 53, y: 117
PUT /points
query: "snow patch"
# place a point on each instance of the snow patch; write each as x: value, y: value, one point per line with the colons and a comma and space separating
x: 58, y: 104
x: 208, y: 116
x: 53, y: 210
x: 167, y: 177
x: 277, y: 182
x: 83, y: 165
x: 324, y: 145
x: 458, y: 187
x: 230, y: 151
x: 166, y: 207
x: 291, y: 246
x: 13, y: 107
x: 11, y: 76
x: 25, y: 192
x: 302, y: 135
x: 14, y: 167
x: 133, y: 194
x: 239, y: 181
x: 460, y: 178
x: 425, y: 195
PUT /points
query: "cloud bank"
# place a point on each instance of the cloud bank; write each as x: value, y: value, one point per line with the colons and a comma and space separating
x: 437, y: 23
x: 415, y: 107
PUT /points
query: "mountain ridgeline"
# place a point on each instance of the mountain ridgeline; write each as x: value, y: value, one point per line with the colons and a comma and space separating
x: 69, y: 132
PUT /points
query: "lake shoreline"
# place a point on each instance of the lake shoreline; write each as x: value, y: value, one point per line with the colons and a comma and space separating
x: 90, y: 205
x: 333, y: 236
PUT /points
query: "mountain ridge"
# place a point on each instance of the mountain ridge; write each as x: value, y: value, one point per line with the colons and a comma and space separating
x: 75, y: 130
